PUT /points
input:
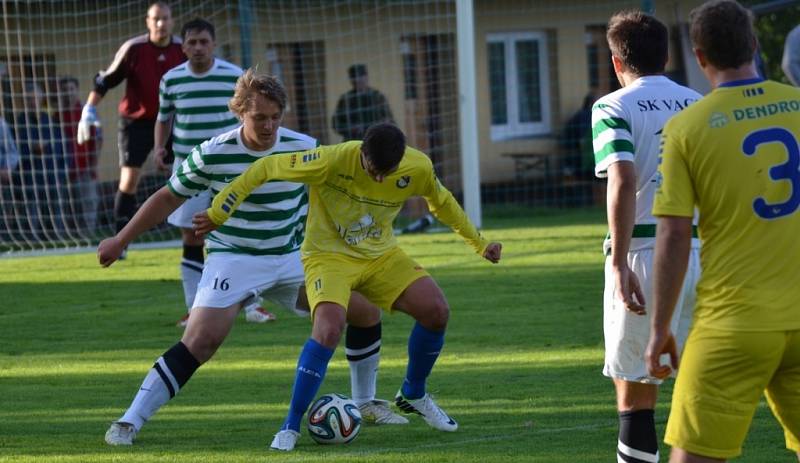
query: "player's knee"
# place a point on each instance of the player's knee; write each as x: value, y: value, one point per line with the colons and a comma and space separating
x: 203, y: 344
x: 437, y: 315
x: 329, y: 322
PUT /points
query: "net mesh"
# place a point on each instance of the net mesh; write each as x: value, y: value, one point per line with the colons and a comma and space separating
x: 538, y: 65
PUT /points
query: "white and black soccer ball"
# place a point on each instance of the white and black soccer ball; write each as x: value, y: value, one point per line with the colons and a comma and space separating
x: 334, y: 419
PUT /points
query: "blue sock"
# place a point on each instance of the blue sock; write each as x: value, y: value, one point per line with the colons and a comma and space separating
x: 424, y: 346
x: 311, y: 367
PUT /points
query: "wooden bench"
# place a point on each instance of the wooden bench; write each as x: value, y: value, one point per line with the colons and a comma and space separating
x: 529, y: 165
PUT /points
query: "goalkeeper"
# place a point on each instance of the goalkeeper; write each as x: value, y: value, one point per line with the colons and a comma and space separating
x: 142, y: 60
x: 356, y: 190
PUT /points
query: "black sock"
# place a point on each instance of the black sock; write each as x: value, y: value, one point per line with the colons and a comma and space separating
x: 357, y: 338
x: 180, y: 364
x: 193, y: 254
x: 637, y: 436
x: 124, y: 208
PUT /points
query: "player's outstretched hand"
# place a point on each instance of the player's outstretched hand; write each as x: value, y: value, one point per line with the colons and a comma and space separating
x: 160, y: 156
x: 661, y: 343
x: 202, y: 224
x: 492, y: 252
x: 109, y: 250
x: 88, y: 119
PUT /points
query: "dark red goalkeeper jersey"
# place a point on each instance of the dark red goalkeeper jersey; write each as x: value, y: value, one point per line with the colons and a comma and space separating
x: 142, y: 64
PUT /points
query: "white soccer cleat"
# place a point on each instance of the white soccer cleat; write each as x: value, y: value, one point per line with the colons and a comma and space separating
x: 427, y: 408
x: 120, y: 434
x: 285, y: 440
x: 259, y: 315
x: 378, y: 412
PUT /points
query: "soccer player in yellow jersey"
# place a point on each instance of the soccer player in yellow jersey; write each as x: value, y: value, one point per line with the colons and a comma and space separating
x: 356, y: 190
x: 734, y: 155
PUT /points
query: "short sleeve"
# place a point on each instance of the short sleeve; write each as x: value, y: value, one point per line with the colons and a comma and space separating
x: 675, y: 194
x: 612, y: 139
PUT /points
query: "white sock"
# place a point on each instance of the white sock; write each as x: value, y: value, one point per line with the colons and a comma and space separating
x: 364, y: 372
x: 152, y: 395
x: 191, y: 271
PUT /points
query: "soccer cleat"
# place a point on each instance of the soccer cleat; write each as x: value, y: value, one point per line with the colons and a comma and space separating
x: 259, y: 315
x: 427, y: 408
x: 120, y: 434
x: 183, y: 321
x: 378, y: 412
x: 420, y: 225
x: 285, y: 440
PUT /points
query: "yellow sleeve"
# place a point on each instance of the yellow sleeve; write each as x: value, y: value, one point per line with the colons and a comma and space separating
x: 675, y: 195
x: 445, y: 208
x: 308, y: 167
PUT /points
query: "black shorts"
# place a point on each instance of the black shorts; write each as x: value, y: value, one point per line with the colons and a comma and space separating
x: 135, y: 141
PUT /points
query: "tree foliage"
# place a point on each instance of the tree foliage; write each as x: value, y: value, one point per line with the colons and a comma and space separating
x: 772, y: 29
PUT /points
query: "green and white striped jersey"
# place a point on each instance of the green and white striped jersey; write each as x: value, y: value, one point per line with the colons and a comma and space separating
x: 271, y: 221
x: 199, y: 103
x: 626, y: 126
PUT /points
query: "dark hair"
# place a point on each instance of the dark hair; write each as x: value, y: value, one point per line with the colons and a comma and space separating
x: 641, y: 41
x: 198, y: 25
x: 357, y: 70
x: 384, y: 145
x: 723, y: 31
x: 249, y: 84
x: 63, y: 80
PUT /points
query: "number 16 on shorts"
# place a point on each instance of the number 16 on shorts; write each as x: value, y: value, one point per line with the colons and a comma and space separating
x: 221, y: 284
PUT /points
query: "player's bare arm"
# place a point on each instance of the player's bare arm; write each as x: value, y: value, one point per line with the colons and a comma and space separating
x: 160, y: 136
x: 621, y: 210
x: 673, y: 240
x: 154, y: 211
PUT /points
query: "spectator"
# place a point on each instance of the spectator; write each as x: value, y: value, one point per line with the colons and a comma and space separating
x: 9, y: 159
x: 791, y: 57
x: 576, y: 142
x: 42, y: 180
x: 82, y: 158
x: 360, y: 107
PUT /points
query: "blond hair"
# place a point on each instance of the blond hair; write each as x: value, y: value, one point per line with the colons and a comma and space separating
x: 251, y: 83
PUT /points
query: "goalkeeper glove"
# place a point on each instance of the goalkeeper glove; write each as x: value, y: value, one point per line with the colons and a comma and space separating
x: 88, y: 119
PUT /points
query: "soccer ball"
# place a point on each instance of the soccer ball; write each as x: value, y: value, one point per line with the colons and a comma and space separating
x: 334, y: 419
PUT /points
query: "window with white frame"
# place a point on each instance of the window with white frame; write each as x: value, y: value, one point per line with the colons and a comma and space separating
x: 518, y: 84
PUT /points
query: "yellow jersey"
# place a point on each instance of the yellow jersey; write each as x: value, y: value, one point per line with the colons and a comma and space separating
x: 348, y: 211
x: 734, y: 154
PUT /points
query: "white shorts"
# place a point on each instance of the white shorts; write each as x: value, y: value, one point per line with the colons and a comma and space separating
x: 626, y: 333
x: 231, y: 278
x: 182, y: 216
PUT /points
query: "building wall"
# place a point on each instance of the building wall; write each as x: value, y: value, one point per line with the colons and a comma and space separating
x: 83, y: 42
x: 567, y: 20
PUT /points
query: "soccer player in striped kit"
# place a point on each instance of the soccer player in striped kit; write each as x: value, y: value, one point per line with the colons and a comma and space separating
x: 626, y: 130
x: 193, y: 104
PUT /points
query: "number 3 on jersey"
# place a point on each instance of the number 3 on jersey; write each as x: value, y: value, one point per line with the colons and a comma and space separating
x: 789, y: 170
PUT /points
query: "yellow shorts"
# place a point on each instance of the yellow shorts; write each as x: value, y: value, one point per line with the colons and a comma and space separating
x: 330, y: 277
x: 720, y: 381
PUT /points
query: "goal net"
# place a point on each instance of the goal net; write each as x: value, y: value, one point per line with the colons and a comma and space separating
x: 536, y: 64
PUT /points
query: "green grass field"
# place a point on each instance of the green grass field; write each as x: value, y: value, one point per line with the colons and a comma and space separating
x: 520, y: 370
